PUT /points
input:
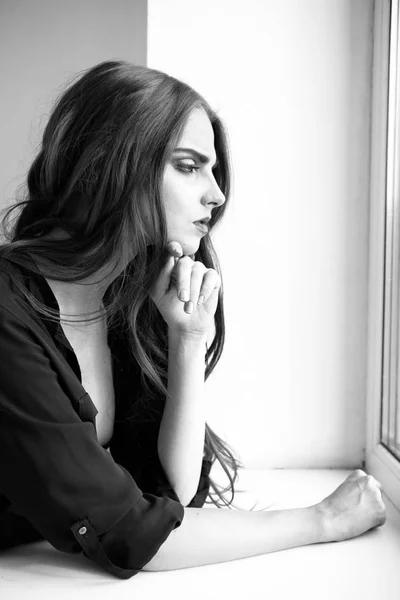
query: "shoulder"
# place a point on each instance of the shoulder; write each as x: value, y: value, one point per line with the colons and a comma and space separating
x: 9, y: 275
x: 13, y: 304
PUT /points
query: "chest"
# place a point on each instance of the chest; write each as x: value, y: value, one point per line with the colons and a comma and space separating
x: 95, y: 363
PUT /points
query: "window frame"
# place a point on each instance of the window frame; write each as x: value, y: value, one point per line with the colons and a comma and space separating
x: 384, y: 192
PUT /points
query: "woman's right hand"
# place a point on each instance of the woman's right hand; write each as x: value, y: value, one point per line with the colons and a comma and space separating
x: 182, y: 273
x: 353, y: 508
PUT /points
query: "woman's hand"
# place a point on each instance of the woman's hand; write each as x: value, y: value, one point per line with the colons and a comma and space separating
x: 186, y: 293
x: 353, y: 508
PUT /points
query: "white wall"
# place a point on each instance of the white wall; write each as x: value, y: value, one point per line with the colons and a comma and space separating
x: 292, y: 82
x: 42, y: 44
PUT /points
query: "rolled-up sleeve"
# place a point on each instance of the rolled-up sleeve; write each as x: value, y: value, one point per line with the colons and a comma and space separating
x: 54, y: 472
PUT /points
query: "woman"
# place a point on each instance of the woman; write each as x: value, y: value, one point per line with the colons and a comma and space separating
x: 111, y: 318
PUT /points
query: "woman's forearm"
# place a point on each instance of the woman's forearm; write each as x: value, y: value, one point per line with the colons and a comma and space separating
x: 208, y: 536
x: 182, y: 429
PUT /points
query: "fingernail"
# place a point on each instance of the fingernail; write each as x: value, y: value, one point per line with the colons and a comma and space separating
x: 184, y: 295
x: 189, y: 307
x: 201, y: 299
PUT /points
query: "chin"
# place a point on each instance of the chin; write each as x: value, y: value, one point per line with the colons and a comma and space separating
x: 190, y: 248
x: 189, y: 245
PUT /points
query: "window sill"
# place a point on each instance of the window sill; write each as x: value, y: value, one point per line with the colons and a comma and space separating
x: 366, y: 567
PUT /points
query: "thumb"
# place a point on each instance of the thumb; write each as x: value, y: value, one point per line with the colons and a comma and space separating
x: 175, y: 249
x: 162, y: 284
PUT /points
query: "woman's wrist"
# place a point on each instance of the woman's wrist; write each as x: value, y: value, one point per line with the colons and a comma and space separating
x: 322, y: 520
x: 177, y: 336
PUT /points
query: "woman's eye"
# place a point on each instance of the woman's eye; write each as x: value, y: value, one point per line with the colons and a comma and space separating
x: 187, y: 168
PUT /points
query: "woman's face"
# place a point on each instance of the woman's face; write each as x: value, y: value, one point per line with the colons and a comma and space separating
x: 189, y: 190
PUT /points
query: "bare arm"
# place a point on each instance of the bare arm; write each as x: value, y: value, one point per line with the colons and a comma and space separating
x: 181, y: 437
x: 208, y: 536
x: 182, y: 427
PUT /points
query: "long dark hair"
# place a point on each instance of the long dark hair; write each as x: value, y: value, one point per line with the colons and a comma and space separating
x: 102, y: 155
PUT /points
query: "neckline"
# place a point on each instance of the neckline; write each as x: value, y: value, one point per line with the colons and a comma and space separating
x: 40, y: 288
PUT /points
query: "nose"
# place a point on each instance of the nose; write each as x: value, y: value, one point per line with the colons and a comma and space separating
x: 213, y: 195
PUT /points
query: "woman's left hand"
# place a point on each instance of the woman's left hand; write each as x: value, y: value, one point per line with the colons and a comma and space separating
x: 186, y: 293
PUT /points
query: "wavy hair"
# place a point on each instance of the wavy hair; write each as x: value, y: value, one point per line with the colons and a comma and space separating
x: 103, y: 154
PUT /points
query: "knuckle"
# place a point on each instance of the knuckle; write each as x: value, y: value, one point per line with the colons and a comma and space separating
x: 359, y: 473
x: 211, y: 280
x: 198, y: 264
x: 214, y: 276
x: 198, y: 268
x: 381, y: 515
x: 373, y: 483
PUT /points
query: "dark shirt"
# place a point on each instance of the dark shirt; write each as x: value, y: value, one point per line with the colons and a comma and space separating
x: 56, y: 481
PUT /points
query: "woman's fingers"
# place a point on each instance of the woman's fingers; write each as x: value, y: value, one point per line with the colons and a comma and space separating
x: 211, y: 282
x: 182, y: 276
x: 194, y: 282
x: 356, y: 474
x: 374, y: 482
x: 175, y: 249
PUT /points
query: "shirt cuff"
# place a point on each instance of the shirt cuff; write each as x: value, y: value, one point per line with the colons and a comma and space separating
x: 133, y: 541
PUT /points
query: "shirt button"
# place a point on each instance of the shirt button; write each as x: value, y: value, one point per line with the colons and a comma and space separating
x: 82, y: 530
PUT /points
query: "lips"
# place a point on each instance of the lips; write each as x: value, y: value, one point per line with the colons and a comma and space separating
x: 204, y: 220
x: 203, y: 227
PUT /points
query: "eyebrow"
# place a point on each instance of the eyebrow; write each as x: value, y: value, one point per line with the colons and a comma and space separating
x: 200, y: 157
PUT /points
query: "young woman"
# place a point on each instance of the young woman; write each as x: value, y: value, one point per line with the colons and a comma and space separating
x: 111, y: 319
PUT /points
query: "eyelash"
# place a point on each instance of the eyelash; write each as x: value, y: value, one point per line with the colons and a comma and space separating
x: 188, y: 168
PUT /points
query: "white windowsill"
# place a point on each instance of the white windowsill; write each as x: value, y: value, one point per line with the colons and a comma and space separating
x: 366, y: 567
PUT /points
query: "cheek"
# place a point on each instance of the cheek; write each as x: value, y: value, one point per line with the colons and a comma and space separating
x: 178, y: 195
x: 175, y: 200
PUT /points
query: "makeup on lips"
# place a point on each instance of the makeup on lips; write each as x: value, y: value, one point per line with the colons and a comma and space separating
x: 201, y: 226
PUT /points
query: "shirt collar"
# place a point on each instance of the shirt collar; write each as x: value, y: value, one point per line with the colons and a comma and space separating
x: 37, y: 284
